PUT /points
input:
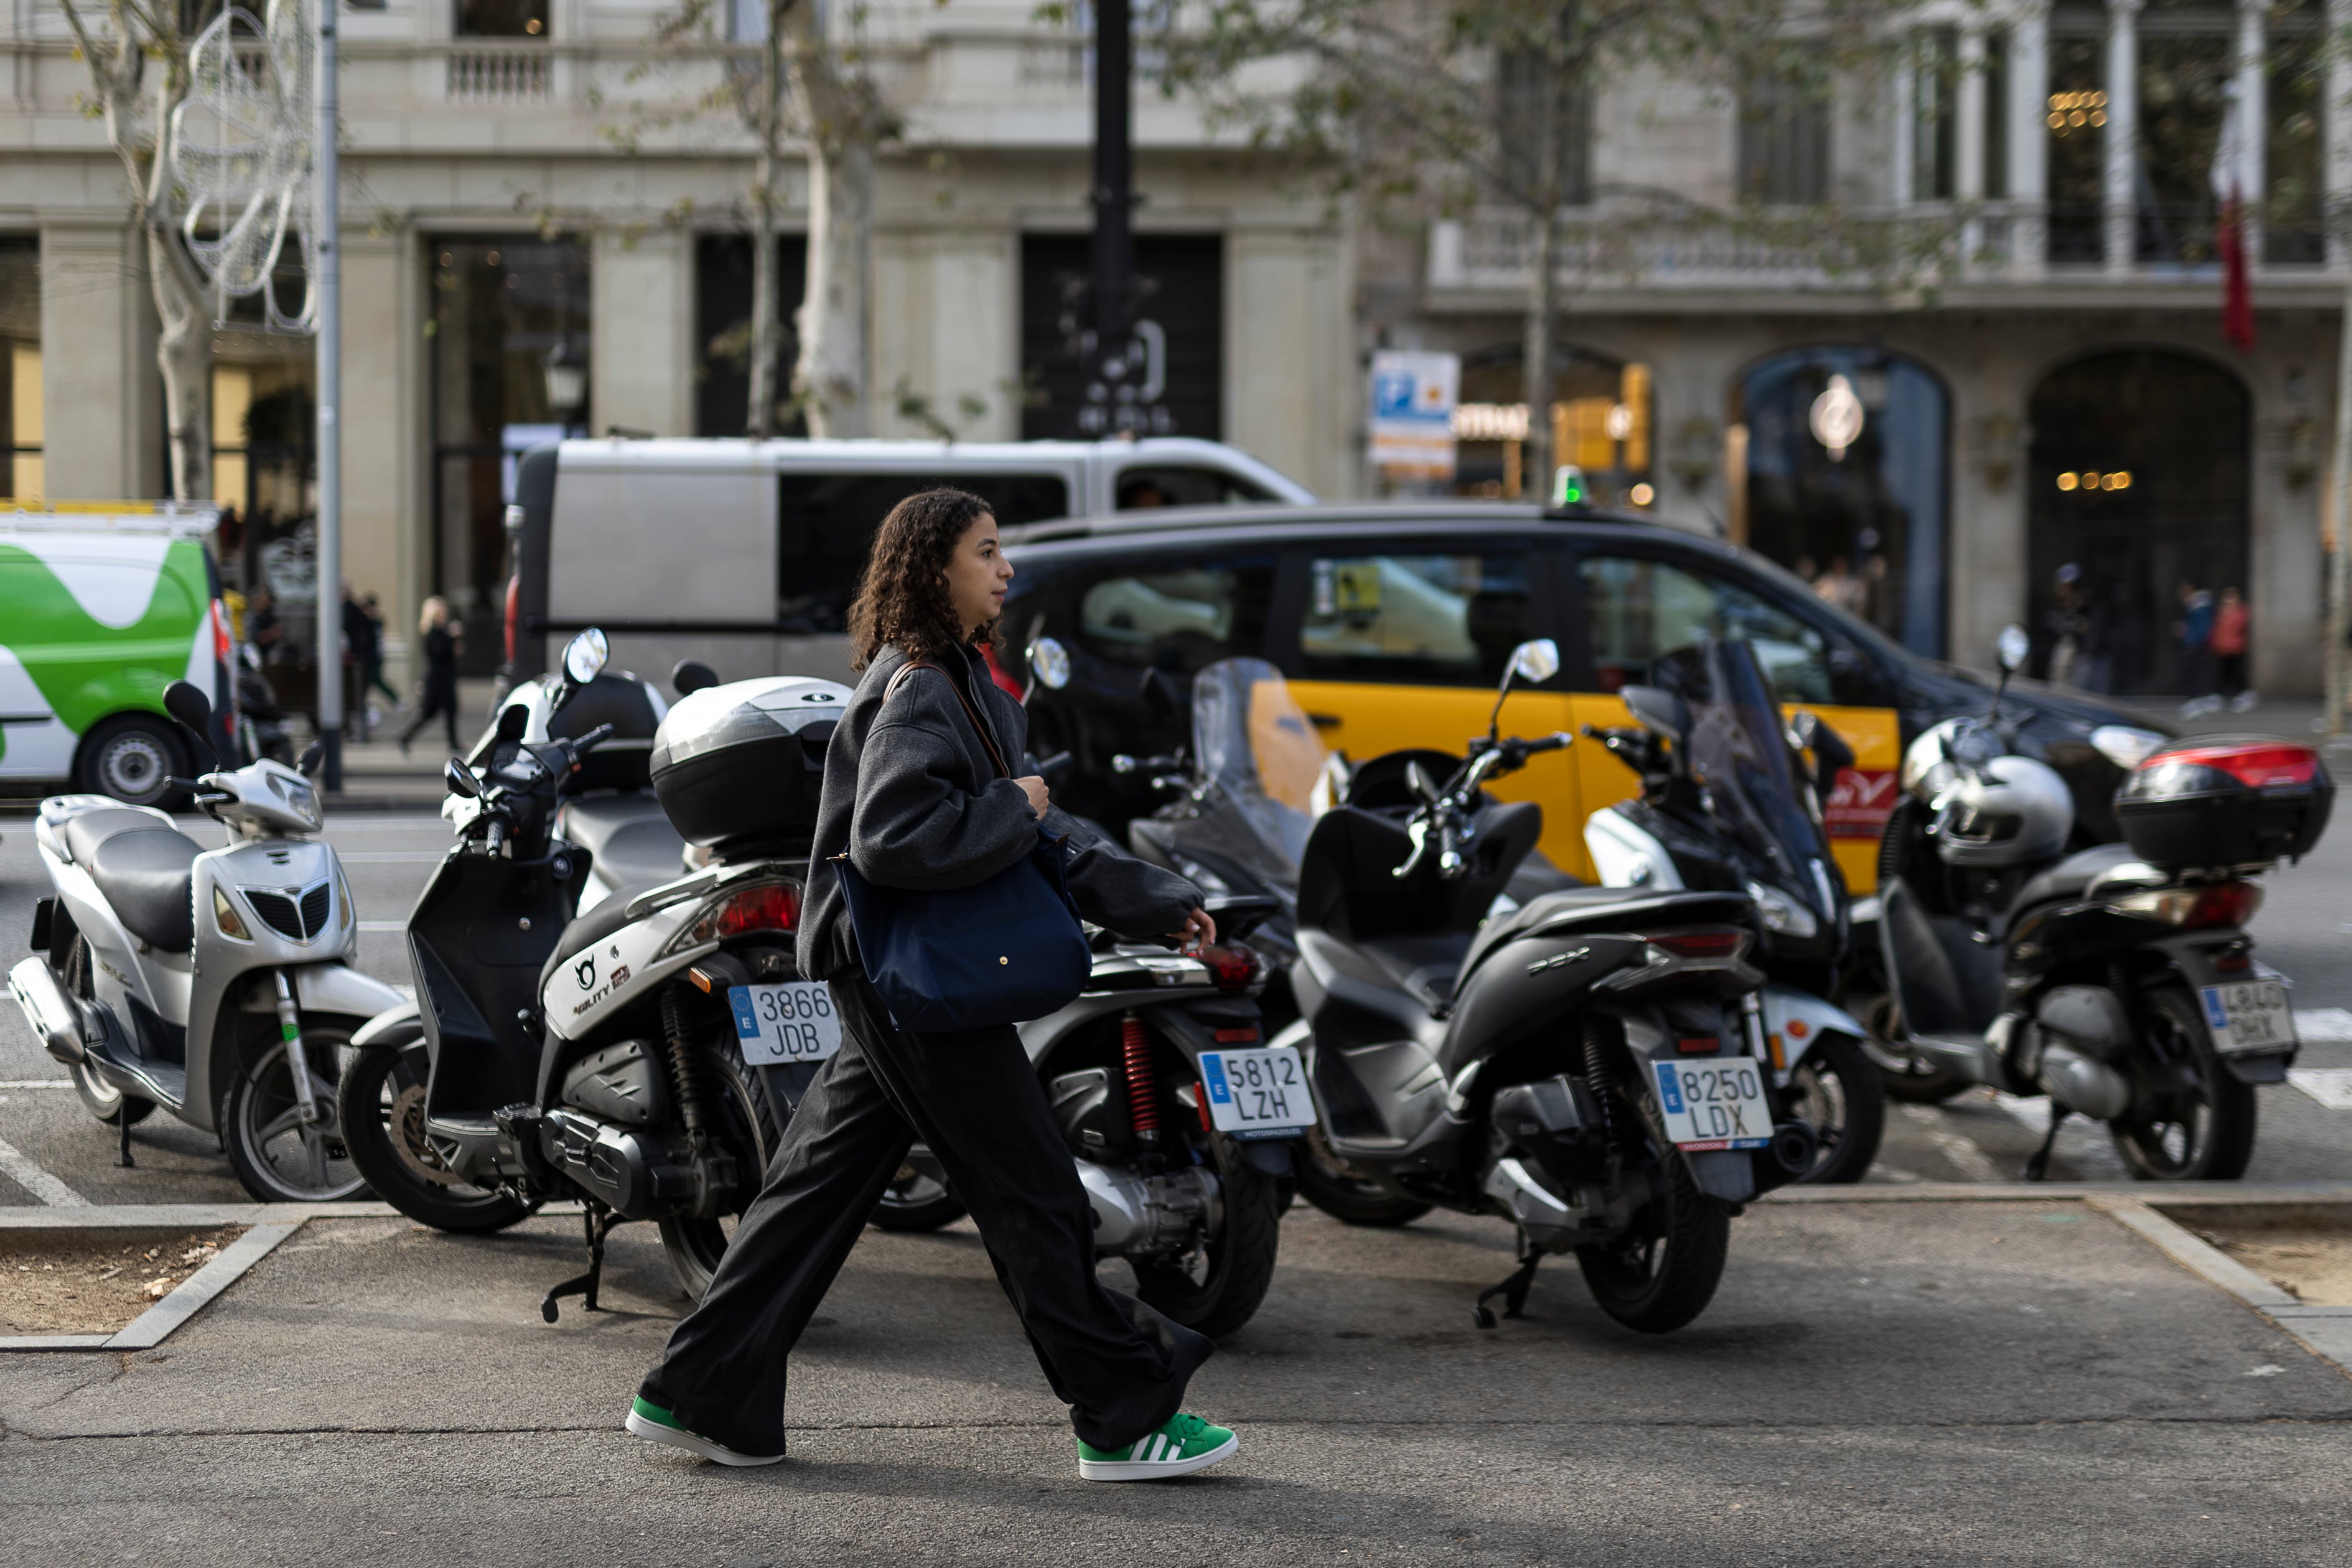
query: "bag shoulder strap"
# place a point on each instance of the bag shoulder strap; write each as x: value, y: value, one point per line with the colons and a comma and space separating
x: 979, y: 727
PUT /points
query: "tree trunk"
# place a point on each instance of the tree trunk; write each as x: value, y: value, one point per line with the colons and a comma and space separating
x: 760, y: 411
x: 1543, y: 310
x: 183, y: 351
x: 830, y: 376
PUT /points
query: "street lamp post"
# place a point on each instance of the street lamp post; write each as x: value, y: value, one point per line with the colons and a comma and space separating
x: 330, y: 287
x: 1112, y: 372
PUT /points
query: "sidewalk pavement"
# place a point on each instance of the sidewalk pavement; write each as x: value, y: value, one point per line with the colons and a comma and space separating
x: 377, y: 777
x: 1886, y: 1381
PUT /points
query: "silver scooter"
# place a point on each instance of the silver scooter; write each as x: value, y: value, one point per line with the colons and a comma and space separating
x: 217, y: 983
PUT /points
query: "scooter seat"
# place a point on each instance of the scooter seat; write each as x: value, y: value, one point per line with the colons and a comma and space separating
x: 144, y: 875
x: 2074, y: 877
x: 1608, y: 908
x: 628, y: 837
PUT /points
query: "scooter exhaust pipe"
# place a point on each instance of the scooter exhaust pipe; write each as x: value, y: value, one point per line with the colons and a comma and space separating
x: 2081, y: 1084
x: 1795, y: 1146
x: 55, y: 1016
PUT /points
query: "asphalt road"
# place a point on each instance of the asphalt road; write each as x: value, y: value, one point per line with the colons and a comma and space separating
x: 2304, y: 929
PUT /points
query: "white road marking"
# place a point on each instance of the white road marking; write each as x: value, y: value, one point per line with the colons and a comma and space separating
x: 384, y: 925
x: 2324, y: 1026
x: 35, y: 1083
x: 2332, y: 1087
x: 38, y: 1181
x: 1973, y: 1164
x: 396, y: 857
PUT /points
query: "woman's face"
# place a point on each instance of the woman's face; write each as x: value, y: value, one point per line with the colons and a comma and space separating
x: 977, y: 575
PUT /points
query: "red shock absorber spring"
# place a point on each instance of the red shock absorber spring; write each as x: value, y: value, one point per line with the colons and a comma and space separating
x: 1142, y: 1104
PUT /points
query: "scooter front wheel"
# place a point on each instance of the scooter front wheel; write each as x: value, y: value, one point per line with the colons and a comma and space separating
x: 382, y: 1108
x: 1347, y: 1194
x: 277, y: 1157
x: 1839, y: 1090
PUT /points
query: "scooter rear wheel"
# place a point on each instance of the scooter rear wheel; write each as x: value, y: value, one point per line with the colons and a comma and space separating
x: 382, y: 1106
x: 1337, y: 1188
x: 696, y: 1245
x: 1215, y: 1290
x: 1663, y: 1271
x: 2202, y: 1120
x: 918, y: 1197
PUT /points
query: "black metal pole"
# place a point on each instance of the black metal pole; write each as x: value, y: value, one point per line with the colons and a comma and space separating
x: 1110, y: 394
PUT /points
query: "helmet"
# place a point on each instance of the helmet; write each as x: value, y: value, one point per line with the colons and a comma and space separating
x: 1928, y: 761
x: 2010, y: 811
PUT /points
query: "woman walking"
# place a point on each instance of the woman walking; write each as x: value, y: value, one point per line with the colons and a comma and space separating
x: 441, y: 637
x: 912, y: 795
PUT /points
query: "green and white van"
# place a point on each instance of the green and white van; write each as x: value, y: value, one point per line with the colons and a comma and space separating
x: 103, y: 605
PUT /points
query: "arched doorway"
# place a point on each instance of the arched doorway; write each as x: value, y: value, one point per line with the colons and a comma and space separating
x: 1601, y: 410
x: 1863, y: 519
x: 2138, y: 483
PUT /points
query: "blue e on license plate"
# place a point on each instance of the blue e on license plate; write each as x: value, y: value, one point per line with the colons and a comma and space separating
x: 1257, y: 1093
x: 1713, y: 1102
x: 789, y: 1023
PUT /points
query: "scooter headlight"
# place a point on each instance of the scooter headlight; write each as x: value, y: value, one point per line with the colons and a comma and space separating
x: 1780, y: 913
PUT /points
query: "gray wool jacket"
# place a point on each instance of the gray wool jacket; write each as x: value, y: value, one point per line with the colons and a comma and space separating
x: 911, y: 794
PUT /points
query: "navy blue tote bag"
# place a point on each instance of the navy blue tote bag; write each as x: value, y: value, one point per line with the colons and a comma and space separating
x: 1000, y: 951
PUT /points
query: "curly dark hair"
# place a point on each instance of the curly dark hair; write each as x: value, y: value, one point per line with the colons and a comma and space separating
x: 902, y: 600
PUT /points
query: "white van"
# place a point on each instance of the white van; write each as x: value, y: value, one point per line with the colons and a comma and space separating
x: 745, y: 553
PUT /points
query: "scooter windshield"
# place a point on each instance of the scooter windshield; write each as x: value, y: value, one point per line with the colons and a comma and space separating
x: 1257, y: 747
x: 1739, y: 751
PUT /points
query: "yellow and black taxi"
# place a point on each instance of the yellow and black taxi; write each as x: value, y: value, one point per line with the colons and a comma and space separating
x: 1393, y: 621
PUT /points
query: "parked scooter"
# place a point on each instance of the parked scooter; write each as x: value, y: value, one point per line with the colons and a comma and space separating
x: 1588, y: 1065
x: 592, y: 1059
x: 1730, y: 803
x: 217, y: 983
x: 2118, y: 981
x: 608, y: 808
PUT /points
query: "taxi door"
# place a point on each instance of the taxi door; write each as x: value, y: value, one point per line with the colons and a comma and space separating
x: 1637, y: 606
x: 1402, y: 646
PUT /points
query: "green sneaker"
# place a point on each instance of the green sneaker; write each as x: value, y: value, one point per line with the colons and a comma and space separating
x: 1186, y: 1444
x: 651, y: 1422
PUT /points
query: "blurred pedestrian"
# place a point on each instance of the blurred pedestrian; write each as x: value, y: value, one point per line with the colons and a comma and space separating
x: 1806, y: 569
x: 374, y: 611
x: 2066, y: 625
x: 440, y: 639
x: 1840, y: 586
x: 2194, y: 632
x: 358, y: 651
x: 262, y: 628
x: 2229, y: 639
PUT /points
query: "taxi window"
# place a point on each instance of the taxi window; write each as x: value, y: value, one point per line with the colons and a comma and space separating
x: 1178, y: 620
x: 1636, y: 609
x: 1415, y: 619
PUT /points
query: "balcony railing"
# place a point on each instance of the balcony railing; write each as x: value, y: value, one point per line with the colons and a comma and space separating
x: 494, y: 74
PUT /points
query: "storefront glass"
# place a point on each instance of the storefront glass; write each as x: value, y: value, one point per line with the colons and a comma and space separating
x: 20, y: 368
x: 510, y: 327
x: 1864, y: 518
x: 1601, y: 423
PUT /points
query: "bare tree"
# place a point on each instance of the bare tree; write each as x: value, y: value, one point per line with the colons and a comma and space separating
x: 138, y: 61
x: 802, y: 81
x: 1442, y: 105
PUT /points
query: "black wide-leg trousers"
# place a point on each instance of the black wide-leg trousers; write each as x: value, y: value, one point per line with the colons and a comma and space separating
x: 974, y: 1098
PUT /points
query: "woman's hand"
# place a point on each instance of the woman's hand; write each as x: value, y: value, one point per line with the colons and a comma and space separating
x: 1200, y: 930
x: 1034, y: 787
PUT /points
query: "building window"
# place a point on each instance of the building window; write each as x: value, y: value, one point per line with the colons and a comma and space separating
x: 20, y: 368
x: 2187, y: 57
x: 2075, y: 117
x: 502, y: 18
x: 1996, y: 115
x: 1519, y: 104
x: 1784, y: 141
x: 1180, y: 284
x: 2295, y: 232
x: 1935, y: 116
x: 510, y: 371
x: 722, y: 332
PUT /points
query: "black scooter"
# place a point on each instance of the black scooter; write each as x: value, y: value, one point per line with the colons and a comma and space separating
x: 1588, y: 1065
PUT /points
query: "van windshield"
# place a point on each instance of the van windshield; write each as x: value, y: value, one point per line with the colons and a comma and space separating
x: 825, y: 523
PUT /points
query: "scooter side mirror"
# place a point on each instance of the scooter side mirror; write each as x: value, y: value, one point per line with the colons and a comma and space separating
x: 2013, y: 647
x: 460, y: 779
x: 1418, y: 778
x: 1661, y: 712
x: 690, y: 676
x: 186, y: 703
x: 584, y: 660
x: 307, y: 764
x: 1049, y: 662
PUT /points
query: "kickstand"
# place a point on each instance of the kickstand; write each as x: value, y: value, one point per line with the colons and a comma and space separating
x: 599, y: 1222
x: 1514, y: 1291
x: 2038, y: 1168
x: 122, y: 1125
